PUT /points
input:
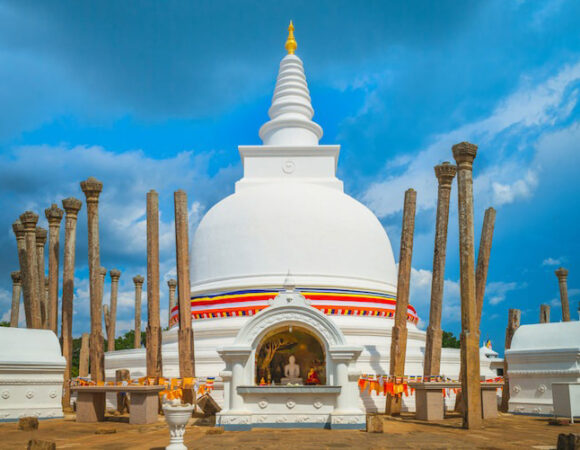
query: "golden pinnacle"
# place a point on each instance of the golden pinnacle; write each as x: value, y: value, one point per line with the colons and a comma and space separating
x: 291, y: 44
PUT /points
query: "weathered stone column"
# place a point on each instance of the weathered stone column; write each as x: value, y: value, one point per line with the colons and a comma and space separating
x: 92, y: 189
x: 54, y: 216
x: 28, y: 220
x: 18, y: 229
x: 483, y: 260
x: 115, y: 275
x: 102, y: 276
x: 84, y: 356
x: 445, y: 173
x: 16, y: 288
x: 464, y: 154
x: 562, y: 275
x: 399, y: 331
x: 513, y: 324
x: 185, y: 333
x: 107, y: 319
x: 138, y: 280
x: 544, y: 313
x: 72, y: 207
x: 41, y: 235
x: 172, y: 284
x: 154, y: 367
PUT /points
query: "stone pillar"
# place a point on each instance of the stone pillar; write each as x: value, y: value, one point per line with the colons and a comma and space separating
x: 544, y: 313
x: 28, y: 220
x: 107, y: 319
x: 513, y: 324
x: 18, y: 229
x: 16, y: 287
x: 154, y: 367
x: 54, y: 216
x: 399, y: 332
x: 445, y: 173
x: 138, y: 280
x: 122, y: 400
x: 41, y: 235
x: 84, y: 356
x: 92, y: 189
x: 172, y: 284
x: 483, y: 260
x: 562, y: 275
x: 464, y: 154
x: 115, y: 275
x: 185, y: 333
x: 72, y: 207
x: 102, y: 276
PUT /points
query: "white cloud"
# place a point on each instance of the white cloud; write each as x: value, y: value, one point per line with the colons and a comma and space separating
x: 420, y: 296
x: 497, y: 291
x: 551, y: 261
x: 507, y: 180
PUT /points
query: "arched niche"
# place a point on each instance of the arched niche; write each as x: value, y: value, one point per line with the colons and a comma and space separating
x: 279, y: 344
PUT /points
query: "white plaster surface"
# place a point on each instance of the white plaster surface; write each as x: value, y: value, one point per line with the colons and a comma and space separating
x: 31, y: 374
x: 542, y: 354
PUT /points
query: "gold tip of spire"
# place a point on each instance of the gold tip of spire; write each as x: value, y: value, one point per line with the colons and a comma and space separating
x: 291, y: 44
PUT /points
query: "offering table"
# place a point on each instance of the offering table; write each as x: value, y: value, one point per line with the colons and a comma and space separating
x: 144, y: 403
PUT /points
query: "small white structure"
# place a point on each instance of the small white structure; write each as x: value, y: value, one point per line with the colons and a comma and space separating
x: 31, y: 374
x: 542, y: 354
x: 334, y: 405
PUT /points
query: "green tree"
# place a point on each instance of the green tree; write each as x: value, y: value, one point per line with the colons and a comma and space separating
x: 450, y: 341
x: 4, y: 324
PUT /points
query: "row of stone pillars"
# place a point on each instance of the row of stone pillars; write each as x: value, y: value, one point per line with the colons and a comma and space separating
x: 40, y: 303
x: 472, y: 283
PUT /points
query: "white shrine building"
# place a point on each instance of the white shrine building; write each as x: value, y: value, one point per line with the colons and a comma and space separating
x: 290, y: 259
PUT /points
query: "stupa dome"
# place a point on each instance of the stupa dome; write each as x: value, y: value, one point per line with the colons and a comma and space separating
x: 289, y: 218
x: 322, y: 236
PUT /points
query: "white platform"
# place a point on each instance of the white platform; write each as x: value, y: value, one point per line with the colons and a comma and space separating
x: 542, y: 354
x: 31, y: 374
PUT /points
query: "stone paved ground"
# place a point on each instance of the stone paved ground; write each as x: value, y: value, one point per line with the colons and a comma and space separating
x: 506, y: 432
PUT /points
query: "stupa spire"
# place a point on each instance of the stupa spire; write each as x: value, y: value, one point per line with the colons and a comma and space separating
x: 291, y: 44
x: 291, y: 112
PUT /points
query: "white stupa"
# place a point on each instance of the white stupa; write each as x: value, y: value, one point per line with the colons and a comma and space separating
x: 289, y: 223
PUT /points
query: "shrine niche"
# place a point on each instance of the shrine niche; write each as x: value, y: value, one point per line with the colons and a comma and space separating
x: 292, y: 355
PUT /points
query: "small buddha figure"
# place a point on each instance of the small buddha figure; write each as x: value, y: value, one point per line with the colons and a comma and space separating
x: 312, y: 377
x: 292, y: 372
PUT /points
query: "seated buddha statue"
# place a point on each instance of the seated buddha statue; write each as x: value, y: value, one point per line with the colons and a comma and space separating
x: 312, y: 377
x: 291, y: 372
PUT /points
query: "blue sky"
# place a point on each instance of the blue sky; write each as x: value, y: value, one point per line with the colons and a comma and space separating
x: 157, y: 95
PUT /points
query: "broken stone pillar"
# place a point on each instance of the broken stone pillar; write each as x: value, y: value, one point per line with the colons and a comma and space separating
x: 138, y: 280
x: 18, y: 229
x: 72, y: 207
x: 514, y: 316
x: 172, y: 284
x: 399, y: 331
x: 29, y: 220
x: 16, y: 288
x: 544, y: 313
x: 483, y: 260
x: 464, y: 154
x: 54, y: 216
x: 41, y: 235
x: 92, y: 189
x: 84, y: 356
x: 562, y: 275
x: 115, y: 275
x: 445, y: 173
x: 154, y: 368
x: 185, y: 333
x: 107, y: 319
x: 102, y: 276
